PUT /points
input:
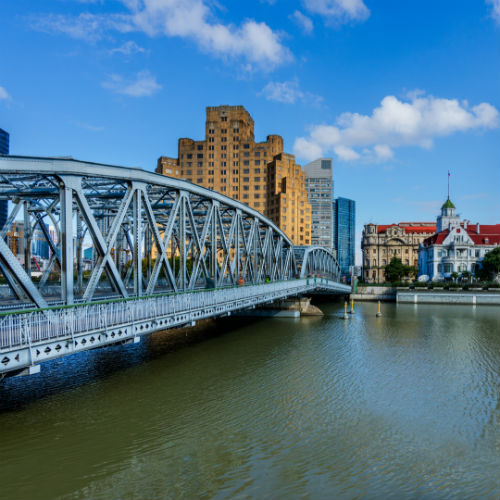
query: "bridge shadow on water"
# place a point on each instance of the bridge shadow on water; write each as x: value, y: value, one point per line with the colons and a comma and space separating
x: 88, y: 367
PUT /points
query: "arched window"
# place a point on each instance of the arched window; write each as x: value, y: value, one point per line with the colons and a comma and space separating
x: 374, y: 262
x: 384, y: 262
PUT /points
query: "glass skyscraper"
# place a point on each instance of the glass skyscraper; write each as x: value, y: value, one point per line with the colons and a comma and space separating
x: 4, y: 150
x: 344, y: 220
x: 319, y: 186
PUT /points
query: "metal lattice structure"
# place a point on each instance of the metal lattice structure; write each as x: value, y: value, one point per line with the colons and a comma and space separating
x: 150, y: 233
x: 164, y: 253
x: 316, y: 261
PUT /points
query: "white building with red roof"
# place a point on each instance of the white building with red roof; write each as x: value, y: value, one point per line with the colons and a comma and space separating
x: 457, y: 246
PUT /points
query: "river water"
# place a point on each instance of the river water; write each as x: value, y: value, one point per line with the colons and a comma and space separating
x: 405, y: 406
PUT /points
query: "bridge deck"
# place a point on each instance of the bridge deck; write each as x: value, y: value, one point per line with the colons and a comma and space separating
x: 29, y: 338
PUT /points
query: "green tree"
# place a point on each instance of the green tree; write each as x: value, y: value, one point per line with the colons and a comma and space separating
x: 491, y: 263
x: 411, y: 271
x: 395, y: 270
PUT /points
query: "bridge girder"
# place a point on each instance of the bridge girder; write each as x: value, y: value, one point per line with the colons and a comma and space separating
x: 149, y: 233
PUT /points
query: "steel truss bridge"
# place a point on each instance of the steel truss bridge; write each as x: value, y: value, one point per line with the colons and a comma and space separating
x: 165, y: 253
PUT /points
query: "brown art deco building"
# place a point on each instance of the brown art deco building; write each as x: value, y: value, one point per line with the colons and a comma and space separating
x: 380, y: 243
x: 258, y: 174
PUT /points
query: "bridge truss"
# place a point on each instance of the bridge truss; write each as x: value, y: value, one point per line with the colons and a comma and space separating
x: 150, y: 234
x: 164, y: 253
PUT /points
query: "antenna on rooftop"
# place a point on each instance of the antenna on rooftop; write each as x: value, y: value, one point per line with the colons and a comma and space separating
x: 448, y: 184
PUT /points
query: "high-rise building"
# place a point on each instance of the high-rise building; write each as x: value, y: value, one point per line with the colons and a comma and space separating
x: 319, y: 186
x: 229, y: 161
x: 344, y: 221
x: 287, y: 204
x: 4, y: 150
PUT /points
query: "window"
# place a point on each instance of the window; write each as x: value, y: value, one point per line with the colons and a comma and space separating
x: 257, y: 162
x: 257, y: 154
x: 223, y: 130
x: 199, y: 147
x: 246, y: 162
x: 199, y: 155
x: 246, y: 146
x: 199, y: 181
x: 256, y: 179
x: 189, y: 156
x: 246, y: 179
x: 256, y: 171
x: 246, y: 170
x: 223, y: 118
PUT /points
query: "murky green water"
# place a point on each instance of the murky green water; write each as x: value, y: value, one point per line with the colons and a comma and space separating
x: 405, y: 406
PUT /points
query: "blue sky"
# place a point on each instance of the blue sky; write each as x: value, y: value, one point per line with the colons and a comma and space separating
x: 396, y: 92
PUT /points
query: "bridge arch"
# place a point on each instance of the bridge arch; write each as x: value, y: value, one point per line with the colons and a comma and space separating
x: 149, y: 234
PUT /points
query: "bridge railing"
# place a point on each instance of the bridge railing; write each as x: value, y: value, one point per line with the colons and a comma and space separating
x: 41, y: 325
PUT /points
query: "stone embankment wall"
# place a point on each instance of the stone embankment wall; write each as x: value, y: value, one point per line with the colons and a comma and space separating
x: 479, y: 297
x: 375, y: 293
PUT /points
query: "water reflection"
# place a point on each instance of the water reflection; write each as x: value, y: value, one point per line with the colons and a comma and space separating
x: 403, y: 406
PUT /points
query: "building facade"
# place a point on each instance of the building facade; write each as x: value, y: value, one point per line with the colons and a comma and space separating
x: 319, y: 187
x: 380, y: 243
x: 287, y: 206
x: 231, y: 162
x: 458, y: 246
x: 4, y: 150
x: 344, y: 232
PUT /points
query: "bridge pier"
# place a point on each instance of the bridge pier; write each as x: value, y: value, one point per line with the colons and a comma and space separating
x: 293, y: 307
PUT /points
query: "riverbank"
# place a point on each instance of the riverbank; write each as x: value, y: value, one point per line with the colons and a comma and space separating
x: 427, y: 296
x: 374, y: 293
x: 452, y: 296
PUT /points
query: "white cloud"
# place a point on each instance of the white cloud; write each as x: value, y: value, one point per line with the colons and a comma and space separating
x: 338, y: 11
x: 415, y: 121
x: 288, y: 92
x: 190, y: 19
x: 86, y: 26
x: 304, y: 22
x: 127, y: 48
x: 144, y: 84
x: 383, y: 151
x: 495, y: 9
x: 4, y: 95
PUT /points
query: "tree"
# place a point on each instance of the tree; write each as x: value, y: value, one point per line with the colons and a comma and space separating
x: 411, y: 271
x: 491, y: 262
x: 395, y: 270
